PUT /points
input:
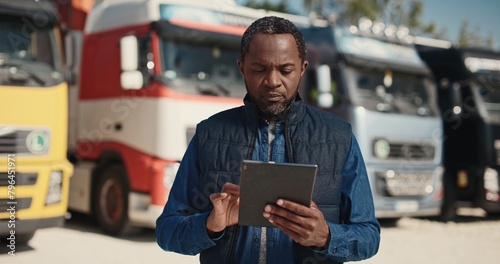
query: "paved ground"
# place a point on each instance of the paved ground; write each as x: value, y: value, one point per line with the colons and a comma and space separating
x: 473, y: 238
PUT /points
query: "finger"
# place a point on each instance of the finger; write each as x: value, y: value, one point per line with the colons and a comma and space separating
x: 294, y: 207
x: 304, y: 234
x: 281, y: 221
x: 303, y: 216
x: 283, y: 216
x: 231, y: 188
x: 218, y: 196
x: 292, y: 229
x: 290, y: 232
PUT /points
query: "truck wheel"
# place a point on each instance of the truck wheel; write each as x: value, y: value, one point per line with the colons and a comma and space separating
x: 111, y: 200
x: 449, y: 208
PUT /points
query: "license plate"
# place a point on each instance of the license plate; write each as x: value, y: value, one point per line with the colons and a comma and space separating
x: 406, y: 206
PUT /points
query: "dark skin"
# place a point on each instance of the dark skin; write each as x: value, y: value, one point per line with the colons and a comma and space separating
x: 272, y: 69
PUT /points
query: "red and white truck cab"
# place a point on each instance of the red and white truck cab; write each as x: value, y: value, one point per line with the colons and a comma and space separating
x: 150, y: 70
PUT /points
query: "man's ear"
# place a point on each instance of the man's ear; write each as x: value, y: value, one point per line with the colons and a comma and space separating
x: 305, y: 64
x: 240, y: 66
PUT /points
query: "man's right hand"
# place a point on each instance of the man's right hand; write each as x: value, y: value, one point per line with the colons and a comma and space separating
x: 226, y: 208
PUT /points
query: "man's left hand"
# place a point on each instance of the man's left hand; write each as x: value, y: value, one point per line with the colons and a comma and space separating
x: 305, y: 225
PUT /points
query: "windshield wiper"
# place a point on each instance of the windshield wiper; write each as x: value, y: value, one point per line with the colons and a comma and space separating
x: 26, y: 70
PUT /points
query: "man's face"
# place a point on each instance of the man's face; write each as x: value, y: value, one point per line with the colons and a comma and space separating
x: 272, y: 70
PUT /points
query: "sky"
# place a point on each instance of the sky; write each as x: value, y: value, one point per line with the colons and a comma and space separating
x: 483, y: 16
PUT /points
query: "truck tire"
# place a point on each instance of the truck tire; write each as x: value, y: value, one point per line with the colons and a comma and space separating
x: 448, y: 207
x: 111, y: 200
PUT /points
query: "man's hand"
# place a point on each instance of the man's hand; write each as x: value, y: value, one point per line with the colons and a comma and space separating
x: 226, y: 208
x: 305, y: 225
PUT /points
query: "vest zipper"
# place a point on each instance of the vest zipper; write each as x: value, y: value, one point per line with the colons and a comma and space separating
x: 235, y: 234
x: 288, y: 143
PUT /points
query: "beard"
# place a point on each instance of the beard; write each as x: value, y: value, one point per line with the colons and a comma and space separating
x: 273, y: 109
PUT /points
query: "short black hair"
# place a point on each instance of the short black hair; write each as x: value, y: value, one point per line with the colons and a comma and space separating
x: 272, y: 25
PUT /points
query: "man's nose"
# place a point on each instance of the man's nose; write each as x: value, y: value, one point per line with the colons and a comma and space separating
x: 273, y: 79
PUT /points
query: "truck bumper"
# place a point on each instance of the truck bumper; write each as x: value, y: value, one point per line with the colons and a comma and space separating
x: 141, y: 212
x: 415, y: 197
x: 29, y: 225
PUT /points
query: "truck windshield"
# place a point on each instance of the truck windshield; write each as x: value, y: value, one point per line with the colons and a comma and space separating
x: 391, y: 91
x: 202, y: 69
x: 487, y: 91
x: 29, y: 54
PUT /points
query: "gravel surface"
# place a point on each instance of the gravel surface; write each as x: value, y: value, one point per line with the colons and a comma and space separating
x: 472, y: 238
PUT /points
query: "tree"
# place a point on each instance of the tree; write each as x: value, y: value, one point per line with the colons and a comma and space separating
x: 398, y: 12
x: 414, y: 21
x: 320, y: 8
x: 351, y: 11
x: 472, y: 38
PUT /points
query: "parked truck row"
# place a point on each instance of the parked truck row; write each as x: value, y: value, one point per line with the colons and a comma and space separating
x: 378, y: 83
x: 468, y: 86
x: 143, y: 73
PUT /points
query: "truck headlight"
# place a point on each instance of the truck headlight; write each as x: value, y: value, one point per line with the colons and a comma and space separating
x: 381, y: 149
x: 491, y: 180
x: 54, y: 193
x: 491, y: 184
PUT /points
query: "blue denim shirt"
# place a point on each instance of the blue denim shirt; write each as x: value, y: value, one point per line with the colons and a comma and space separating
x: 279, y: 246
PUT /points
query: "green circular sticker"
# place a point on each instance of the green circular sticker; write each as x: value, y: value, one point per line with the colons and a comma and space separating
x: 37, y: 142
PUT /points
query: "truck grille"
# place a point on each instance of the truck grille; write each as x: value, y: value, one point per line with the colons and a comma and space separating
x: 19, y: 178
x: 13, y: 142
x: 412, y: 152
x: 18, y: 204
x: 24, y: 141
x: 391, y: 183
x: 409, y: 151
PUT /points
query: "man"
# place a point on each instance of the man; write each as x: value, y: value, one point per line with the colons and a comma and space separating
x: 201, y: 214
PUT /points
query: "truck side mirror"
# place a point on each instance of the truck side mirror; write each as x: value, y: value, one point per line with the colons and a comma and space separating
x: 324, y: 81
x: 73, y: 42
x: 131, y: 78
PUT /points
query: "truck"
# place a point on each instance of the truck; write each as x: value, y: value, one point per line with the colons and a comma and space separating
x: 34, y: 170
x: 370, y: 74
x: 145, y: 73
x: 468, y: 88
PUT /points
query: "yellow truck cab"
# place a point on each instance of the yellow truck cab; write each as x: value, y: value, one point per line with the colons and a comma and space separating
x: 34, y: 171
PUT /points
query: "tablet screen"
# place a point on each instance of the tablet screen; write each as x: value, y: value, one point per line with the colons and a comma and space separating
x: 264, y: 183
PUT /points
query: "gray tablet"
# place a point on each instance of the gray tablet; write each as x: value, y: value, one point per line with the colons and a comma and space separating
x: 264, y: 183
